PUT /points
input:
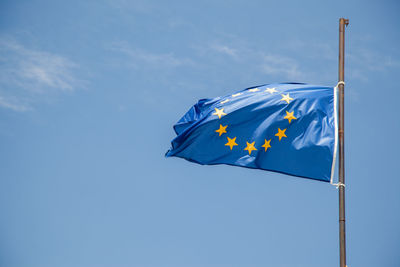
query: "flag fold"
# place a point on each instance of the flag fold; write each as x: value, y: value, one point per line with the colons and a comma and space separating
x: 287, y: 128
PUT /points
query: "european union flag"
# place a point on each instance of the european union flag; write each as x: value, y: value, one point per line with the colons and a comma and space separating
x: 288, y: 128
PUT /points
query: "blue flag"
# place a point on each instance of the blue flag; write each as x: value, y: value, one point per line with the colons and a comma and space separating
x: 288, y: 128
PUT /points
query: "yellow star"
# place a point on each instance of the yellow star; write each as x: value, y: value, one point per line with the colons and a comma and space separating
x: 231, y: 142
x: 254, y: 90
x: 250, y: 147
x: 222, y: 129
x: 289, y: 116
x: 271, y: 90
x: 267, y: 145
x: 219, y: 112
x: 281, y: 133
x: 235, y: 95
x: 226, y: 100
x: 286, y: 98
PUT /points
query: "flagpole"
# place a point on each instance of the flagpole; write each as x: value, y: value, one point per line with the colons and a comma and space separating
x: 342, y: 221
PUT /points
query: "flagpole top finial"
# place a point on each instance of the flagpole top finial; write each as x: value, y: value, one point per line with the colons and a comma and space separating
x: 344, y: 21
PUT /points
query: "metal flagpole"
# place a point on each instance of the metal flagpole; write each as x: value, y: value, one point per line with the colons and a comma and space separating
x: 342, y: 229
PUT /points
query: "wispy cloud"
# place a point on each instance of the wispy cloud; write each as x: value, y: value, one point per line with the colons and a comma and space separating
x: 300, y: 60
x: 26, y: 75
x: 312, y: 49
x: 278, y: 64
x: 140, y: 58
x: 372, y: 60
x: 253, y: 59
x: 225, y: 49
x: 363, y: 62
x: 126, y: 6
x: 13, y: 104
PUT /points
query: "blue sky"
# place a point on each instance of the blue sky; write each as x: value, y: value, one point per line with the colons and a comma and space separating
x: 89, y: 91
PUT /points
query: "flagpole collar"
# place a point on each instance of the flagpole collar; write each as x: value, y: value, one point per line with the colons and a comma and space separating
x: 339, y: 184
x: 339, y: 83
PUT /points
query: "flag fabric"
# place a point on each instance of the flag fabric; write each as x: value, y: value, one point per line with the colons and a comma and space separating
x: 288, y: 128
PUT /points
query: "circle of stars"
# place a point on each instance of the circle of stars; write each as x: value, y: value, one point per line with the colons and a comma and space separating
x: 251, y: 146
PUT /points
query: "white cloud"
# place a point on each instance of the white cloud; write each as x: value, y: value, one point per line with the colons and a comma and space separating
x: 139, y: 57
x: 362, y: 62
x: 127, y: 7
x: 275, y: 64
x: 27, y: 75
x: 371, y: 60
x: 312, y: 49
x: 256, y: 60
x: 300, y: 60
x: 225, y: 49
x: 12, y: 104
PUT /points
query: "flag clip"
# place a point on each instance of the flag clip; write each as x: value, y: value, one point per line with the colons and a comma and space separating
x: 339, y: 83
x: 338, y: 184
